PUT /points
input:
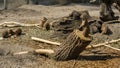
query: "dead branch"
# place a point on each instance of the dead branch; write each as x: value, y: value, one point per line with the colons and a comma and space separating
x: 21, y: 53
x: 112, y: 47
x: 45, y: 41
x: 16, y: 24
x: 88, y: 47
x: 44, y: 51
x: 102, y: 44
x: 50, y: 51
x: 39, y: 51
x: 113, y: 21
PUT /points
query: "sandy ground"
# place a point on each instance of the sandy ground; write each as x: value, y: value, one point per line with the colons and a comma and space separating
x: 105, y: 58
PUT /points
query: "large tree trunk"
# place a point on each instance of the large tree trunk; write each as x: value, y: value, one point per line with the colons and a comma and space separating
x: 71, y: 48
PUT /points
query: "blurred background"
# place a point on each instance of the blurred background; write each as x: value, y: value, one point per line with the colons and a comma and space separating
x: 9, y: 4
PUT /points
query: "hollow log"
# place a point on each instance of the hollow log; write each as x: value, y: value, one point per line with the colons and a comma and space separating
x: 71, y: 48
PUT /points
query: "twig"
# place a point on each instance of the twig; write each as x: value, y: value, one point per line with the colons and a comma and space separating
x: 112, y: 47
x: 45, y: 41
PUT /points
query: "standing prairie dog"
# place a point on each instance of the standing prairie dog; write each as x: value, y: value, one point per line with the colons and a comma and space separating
x: 44, y: 19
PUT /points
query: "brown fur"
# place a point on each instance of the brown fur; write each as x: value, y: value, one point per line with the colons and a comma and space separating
x: 48, y: 24
x: 5, y: 34
x: 104, y: 29
x: 44, y: 19
x: 84, y: 32
x: 11, y: 32
x: 18, y: 31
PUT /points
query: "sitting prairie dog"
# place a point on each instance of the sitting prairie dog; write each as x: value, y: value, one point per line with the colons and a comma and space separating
x: 18, y: 31
x: 11, y: 32
x: 85, y: 25
x: 46, y: 24
x: 43, y: 21
x: 84, y: 32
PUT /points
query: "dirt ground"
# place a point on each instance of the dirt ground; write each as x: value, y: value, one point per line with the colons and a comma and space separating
x: 95, y: 58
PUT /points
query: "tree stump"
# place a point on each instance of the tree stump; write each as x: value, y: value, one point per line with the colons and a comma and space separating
x: 72, y: 47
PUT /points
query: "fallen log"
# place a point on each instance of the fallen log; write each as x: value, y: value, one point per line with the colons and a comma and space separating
x: 45, y: 41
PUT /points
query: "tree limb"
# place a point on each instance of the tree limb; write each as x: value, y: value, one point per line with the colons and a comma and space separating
x: 45, y: 41
x: 102, y: 44
x: 112, y: 47
x: 39, y: 51
x: 16, y: 24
